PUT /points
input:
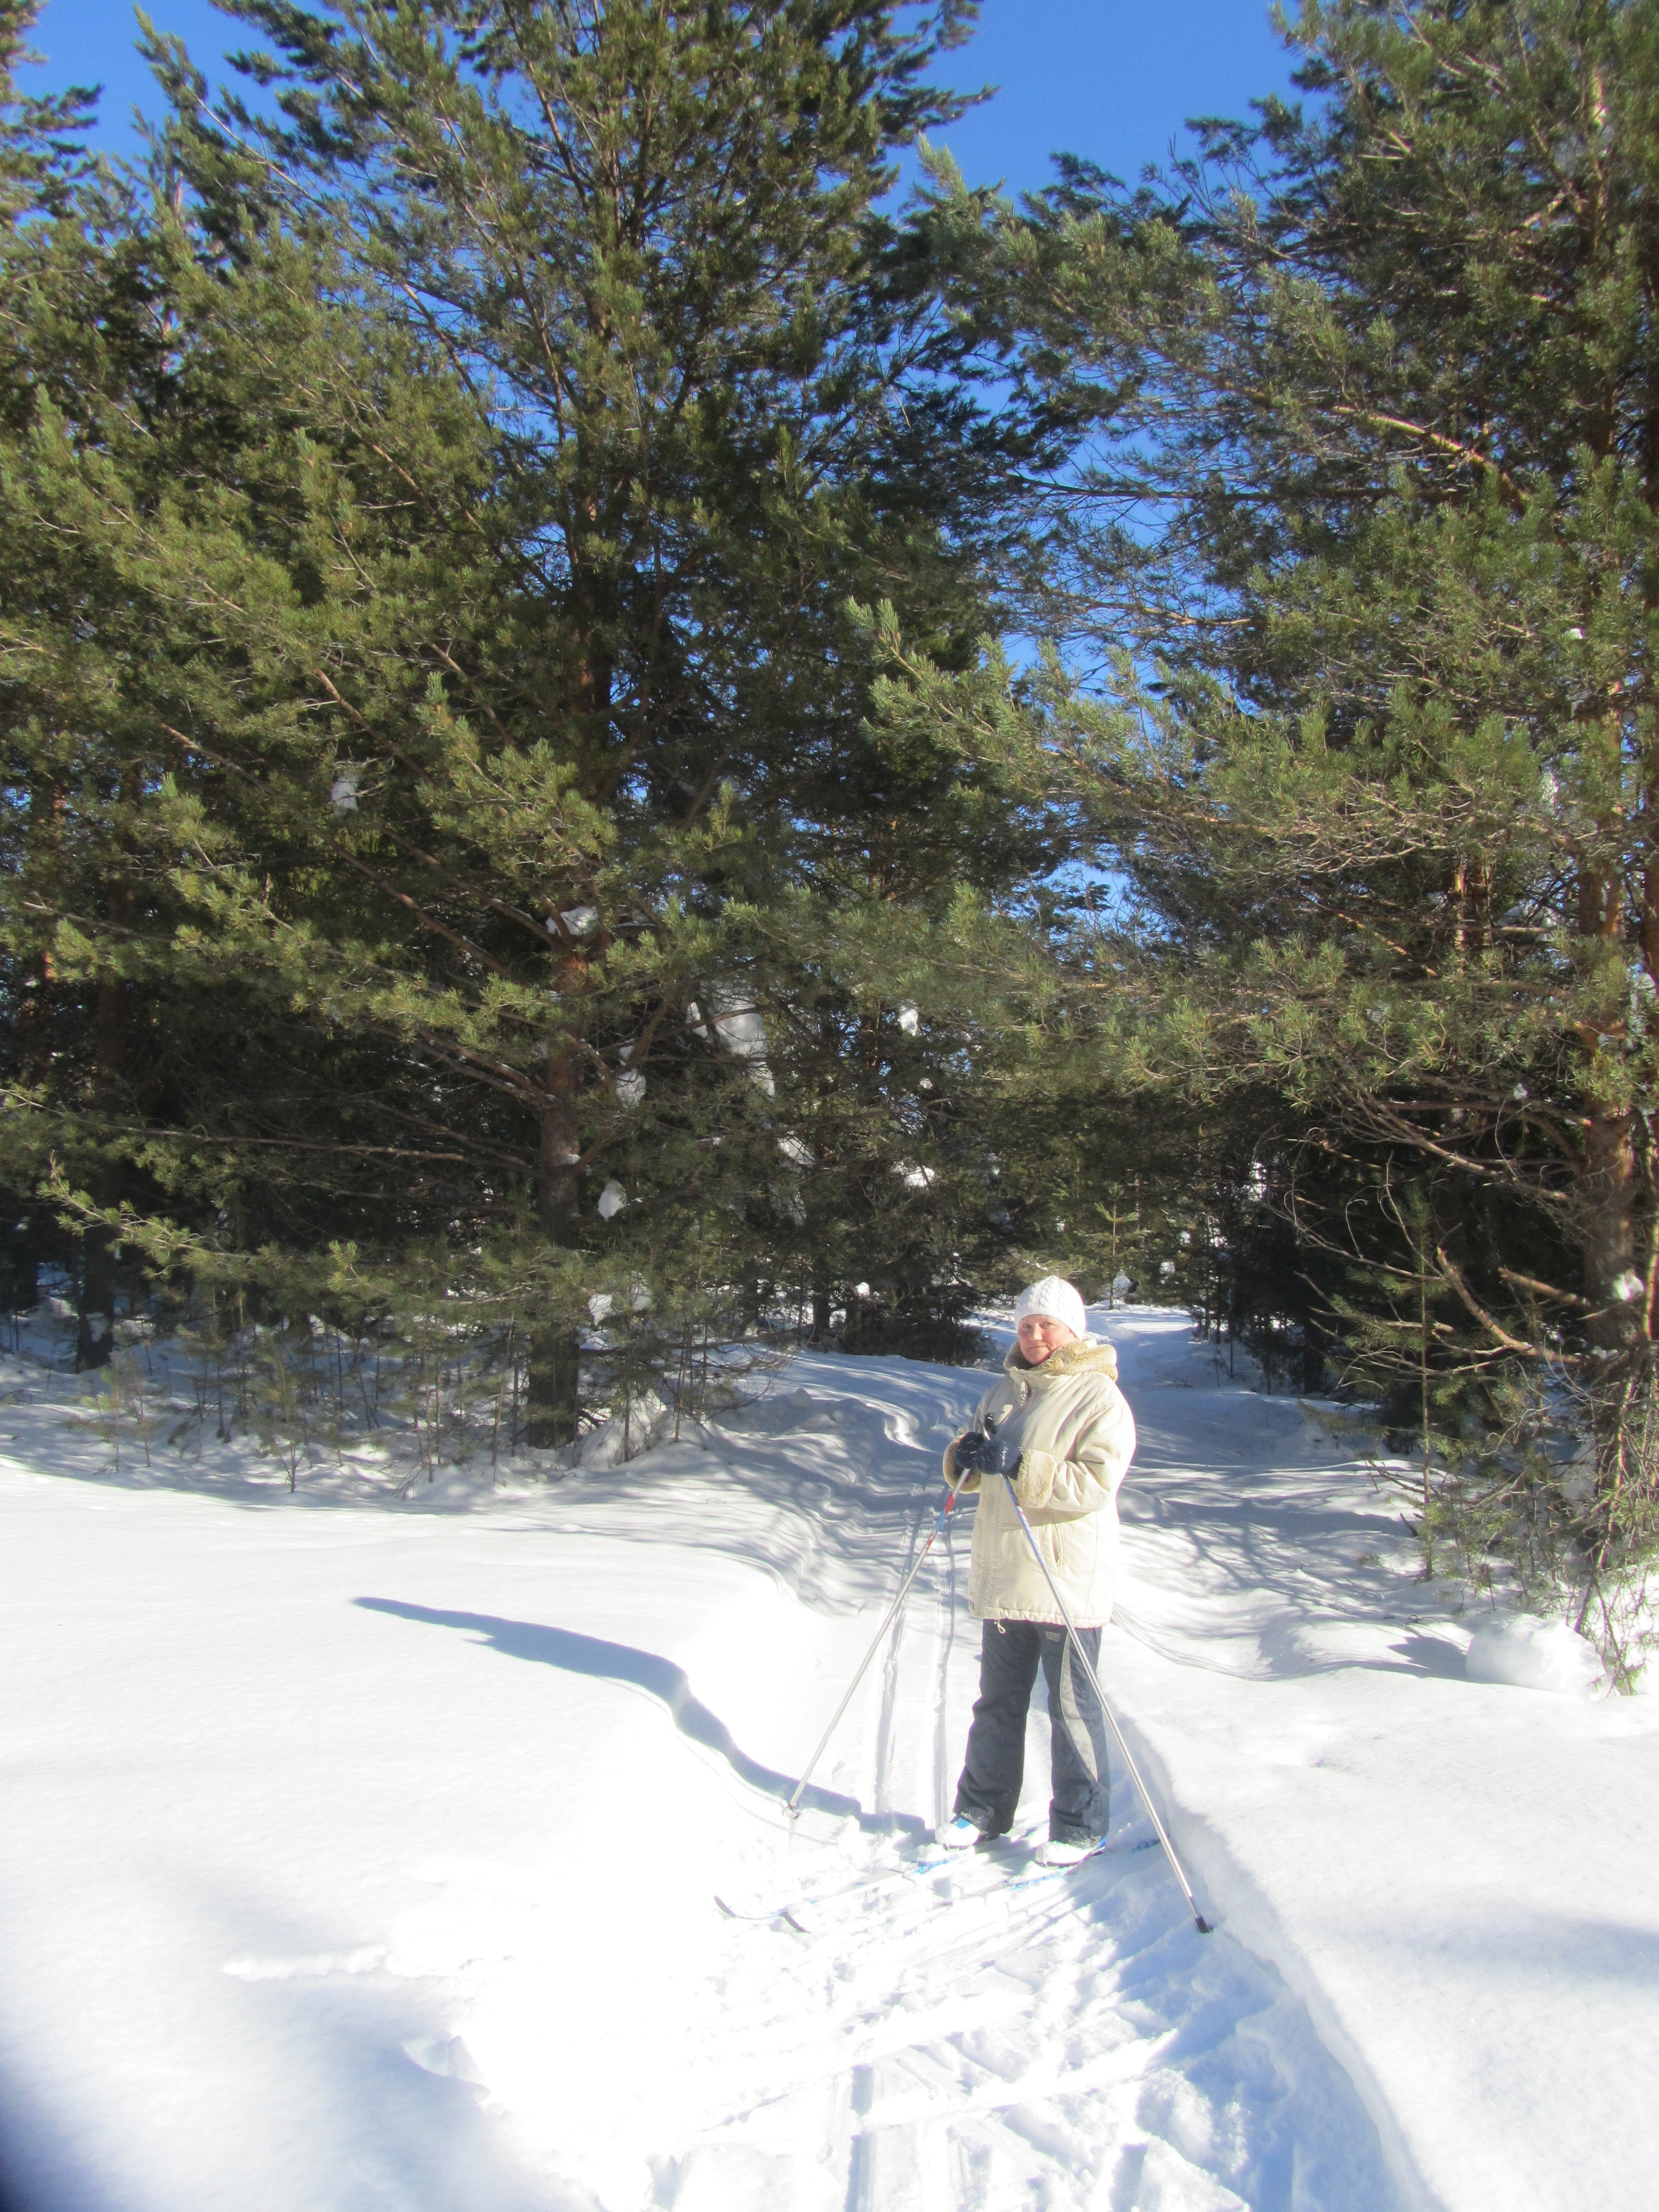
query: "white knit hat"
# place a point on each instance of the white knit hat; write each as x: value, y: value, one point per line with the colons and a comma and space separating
x: 1055, y: 1298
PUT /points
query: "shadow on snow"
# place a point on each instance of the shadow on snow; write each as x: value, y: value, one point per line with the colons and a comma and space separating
x: 602, y: 1661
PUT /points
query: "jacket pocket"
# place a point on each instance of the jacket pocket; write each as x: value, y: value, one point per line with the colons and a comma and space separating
x: 1075, y: 1546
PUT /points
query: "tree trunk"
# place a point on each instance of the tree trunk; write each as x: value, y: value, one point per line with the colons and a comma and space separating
x: 94, y: 1337
x: 25, y: 1268
x: 1614, y: 1185
x: 35, y: 1018
x: 96, y: 1304
x: 1618, y: 1243
x: 553, y: 1385
x: 553, y: 1342
x: 1611, y: 1242
x: 553, y: 1390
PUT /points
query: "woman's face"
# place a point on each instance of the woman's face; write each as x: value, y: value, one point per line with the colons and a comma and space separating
x: 1040, y: 1338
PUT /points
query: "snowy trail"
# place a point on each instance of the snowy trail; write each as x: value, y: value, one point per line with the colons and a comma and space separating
x: 364, y: 1854
x: 1454, y: 1875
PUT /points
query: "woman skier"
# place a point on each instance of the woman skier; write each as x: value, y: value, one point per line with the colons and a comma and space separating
x: 1057, y: 1425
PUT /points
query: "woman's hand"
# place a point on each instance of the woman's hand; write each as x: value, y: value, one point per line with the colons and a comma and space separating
x: 977, y: 1454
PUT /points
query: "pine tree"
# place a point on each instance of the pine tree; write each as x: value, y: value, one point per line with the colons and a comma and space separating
x: 647, y: 239
x: 520, y: 865
x: 68, y: 293
x: 1361, y: 539
x: 228, y: 484
x: 41, y: 156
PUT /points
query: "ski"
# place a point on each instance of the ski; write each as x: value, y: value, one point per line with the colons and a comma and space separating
x: 866, y: 1885
x: 1039, y: 1876
x: 1027, y: 1874
x: 853, y: 1892
x: 799, y: 1913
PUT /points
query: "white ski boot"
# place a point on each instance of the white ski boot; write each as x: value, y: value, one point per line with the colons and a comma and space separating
x: 1054, y: 1853
x: 957, y: 1835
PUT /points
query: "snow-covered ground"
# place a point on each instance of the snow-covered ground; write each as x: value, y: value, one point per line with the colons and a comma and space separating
x: 362, y: 1853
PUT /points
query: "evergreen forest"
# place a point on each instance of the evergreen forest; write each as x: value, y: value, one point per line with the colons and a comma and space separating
x: 628, y: 746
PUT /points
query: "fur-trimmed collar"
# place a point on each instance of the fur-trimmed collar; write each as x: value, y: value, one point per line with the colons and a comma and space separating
x: 1078, y: 1359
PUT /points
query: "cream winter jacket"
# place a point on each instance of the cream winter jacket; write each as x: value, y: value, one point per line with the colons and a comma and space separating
x: 1075, y: 1435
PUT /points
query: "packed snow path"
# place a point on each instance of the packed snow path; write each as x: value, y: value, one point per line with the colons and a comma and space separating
x: 364, y: 1855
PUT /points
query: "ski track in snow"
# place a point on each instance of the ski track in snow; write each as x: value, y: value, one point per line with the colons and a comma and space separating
x: 398, y: 1829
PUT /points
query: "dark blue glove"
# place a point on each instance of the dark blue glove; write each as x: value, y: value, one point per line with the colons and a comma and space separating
x: 977, y: 1454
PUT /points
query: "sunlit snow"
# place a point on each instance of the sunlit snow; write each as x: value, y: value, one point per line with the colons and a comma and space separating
x: 363, y: 1850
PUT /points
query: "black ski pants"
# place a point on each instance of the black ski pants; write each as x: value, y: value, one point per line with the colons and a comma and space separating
x: 1010, y: 1654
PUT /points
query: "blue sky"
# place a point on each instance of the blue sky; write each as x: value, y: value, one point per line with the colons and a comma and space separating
x: 1113, y: 80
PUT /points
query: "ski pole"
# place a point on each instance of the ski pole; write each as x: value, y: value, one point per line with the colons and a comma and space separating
x: 939, y: 1520
x: 1203, y: 1925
